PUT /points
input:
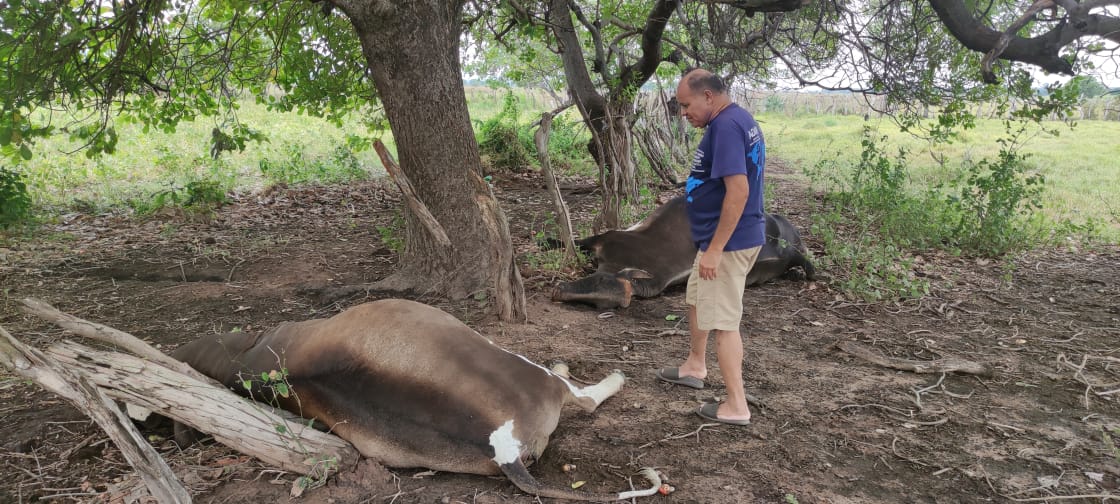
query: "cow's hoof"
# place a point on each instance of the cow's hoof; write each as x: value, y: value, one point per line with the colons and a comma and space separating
x: 560, y: 368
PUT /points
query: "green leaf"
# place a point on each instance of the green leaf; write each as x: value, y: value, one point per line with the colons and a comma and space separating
x: 5, y: 135
x: 248, y: 384
x: 264, y: 376
x: 25, y: 152
x: 671, y: 318
x: 282, y: 389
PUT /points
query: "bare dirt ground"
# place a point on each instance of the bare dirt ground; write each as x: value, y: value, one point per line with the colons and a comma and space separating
x: 833, y: 429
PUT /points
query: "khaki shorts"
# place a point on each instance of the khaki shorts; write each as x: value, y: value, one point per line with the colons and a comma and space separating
x: 719, y: 302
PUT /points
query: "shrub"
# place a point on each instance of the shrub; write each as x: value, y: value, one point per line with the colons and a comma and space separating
x: 200, y: 195
x: 340, y: 166
x: 15, y: 203
x: 503, y: 143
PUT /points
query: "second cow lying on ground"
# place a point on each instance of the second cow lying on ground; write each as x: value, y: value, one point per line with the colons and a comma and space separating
x: 658, y: 252
x: 410, y: 386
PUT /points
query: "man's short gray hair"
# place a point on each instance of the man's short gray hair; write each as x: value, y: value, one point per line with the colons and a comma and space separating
x: 700, y: 80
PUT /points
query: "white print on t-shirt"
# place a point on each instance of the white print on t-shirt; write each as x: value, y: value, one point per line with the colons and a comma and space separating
x: 696, y: 160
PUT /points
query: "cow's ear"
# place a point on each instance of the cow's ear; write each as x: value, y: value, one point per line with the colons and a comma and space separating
x: 627, y: 292
x: 632, y: 273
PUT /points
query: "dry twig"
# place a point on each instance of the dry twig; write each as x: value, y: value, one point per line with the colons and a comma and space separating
x: 679, y: 436
x: 944, y: 365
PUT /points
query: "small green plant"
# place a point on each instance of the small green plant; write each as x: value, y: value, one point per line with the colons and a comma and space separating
x: 15, y: 202
x: 200, y: 196
x: 205, y: 193
x: 634, y: 211
x: 341, y: 165
x: 995, y: 201
x: 555, y: 260
x: 392, y: 235
x: 567, y: 145
x: 872, y: 269
x: 271, y: 387
x: 791, y: 499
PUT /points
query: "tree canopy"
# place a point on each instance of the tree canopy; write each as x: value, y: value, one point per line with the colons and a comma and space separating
x: 70, y: 66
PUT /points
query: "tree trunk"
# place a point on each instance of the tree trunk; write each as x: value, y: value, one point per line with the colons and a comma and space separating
x: 609, y: 119
x: 620, y: 180
x: 412, y: 49
x: 563, y: 218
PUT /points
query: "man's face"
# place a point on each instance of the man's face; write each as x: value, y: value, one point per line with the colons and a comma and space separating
x: 695, y: 107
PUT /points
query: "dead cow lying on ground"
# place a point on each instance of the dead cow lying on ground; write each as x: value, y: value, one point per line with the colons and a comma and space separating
x: 410, y: 386
x: 658, y: 252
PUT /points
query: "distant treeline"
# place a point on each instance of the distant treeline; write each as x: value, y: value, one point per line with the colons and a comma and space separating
x: 1101, y: 108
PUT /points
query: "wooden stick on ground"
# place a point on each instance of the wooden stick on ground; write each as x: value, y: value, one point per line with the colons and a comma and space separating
x: 106, y: 334
x: 32, y: 364
x: 275, y: 437
x: 946, y: 365
x: 161, y: 384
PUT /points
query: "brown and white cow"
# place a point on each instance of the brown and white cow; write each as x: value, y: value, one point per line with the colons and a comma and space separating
x: 410, y: 386
x: 658, y: 252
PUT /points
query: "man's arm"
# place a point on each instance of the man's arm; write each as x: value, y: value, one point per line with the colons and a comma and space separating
x: 734, y: 201
x: 732, y: 210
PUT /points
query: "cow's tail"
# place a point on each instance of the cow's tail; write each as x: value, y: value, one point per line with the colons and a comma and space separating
x: 519, y: 475
x: 550, y: 243
x: 807, y: 265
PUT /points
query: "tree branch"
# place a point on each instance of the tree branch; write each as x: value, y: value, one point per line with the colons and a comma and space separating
x: 753, y: 6
x: 106, y: 334
x: 1042, y: 51
x: 419, y: 209
x: 599, y: 64
x: 638, y: 73
x: 579, y: 80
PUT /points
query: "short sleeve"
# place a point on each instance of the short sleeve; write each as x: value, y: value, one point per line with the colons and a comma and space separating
x: 729, y: 150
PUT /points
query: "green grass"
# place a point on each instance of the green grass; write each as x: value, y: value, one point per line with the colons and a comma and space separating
x: 149, y: 164
x: 1081, y: 166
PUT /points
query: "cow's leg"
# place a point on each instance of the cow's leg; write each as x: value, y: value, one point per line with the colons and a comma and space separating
x: 592, y: 396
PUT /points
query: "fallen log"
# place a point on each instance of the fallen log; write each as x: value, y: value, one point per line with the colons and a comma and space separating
x: 274, y: 436
x: 945, y: 365
x: 32, y: 364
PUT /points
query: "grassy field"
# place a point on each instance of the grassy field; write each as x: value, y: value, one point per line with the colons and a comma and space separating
x: 1081, y: 166
x: 147, y: 164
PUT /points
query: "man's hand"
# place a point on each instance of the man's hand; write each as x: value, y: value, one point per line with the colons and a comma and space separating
x: 709, y: 263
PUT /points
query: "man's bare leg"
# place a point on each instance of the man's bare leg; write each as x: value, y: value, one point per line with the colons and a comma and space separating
x: 729, y: 352
x: 696, y: 363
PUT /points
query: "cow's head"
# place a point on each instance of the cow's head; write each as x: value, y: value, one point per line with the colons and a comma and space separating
x: 601, y: 290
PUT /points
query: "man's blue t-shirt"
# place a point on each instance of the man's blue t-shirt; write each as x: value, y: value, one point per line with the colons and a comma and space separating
x: 732, y: 145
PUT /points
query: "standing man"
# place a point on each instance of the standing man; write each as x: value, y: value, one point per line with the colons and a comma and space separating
x: 725, y: 213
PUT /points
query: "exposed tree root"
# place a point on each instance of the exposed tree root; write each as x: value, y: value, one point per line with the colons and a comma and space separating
x: 945, y: 365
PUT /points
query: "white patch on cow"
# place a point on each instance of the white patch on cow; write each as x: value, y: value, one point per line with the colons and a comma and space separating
x: 598, y: 392
x: 642, y: 224
x: 602, y: 390
x: 507, y: 449
x: 680, y: 276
